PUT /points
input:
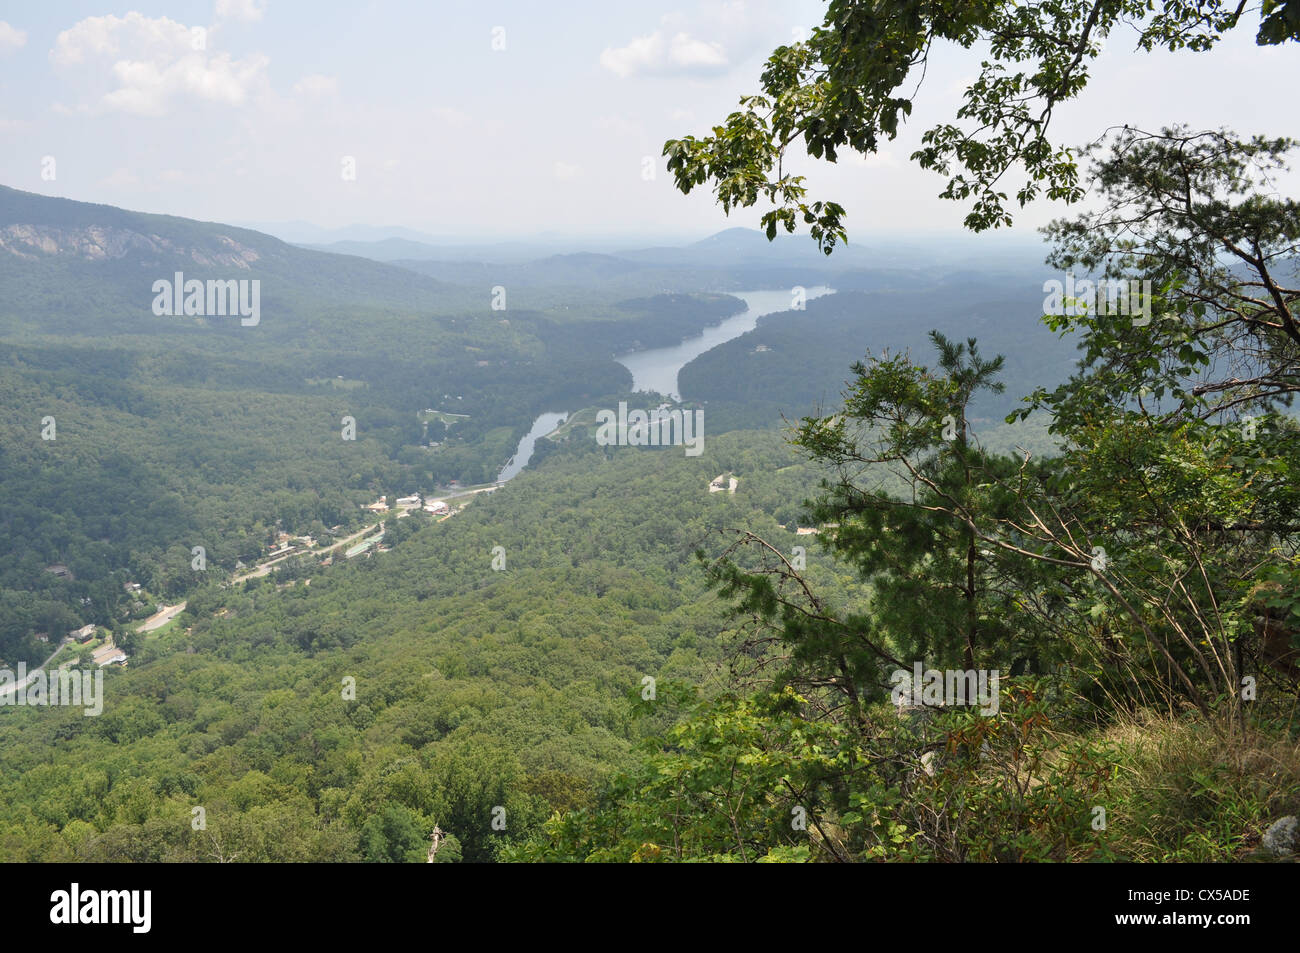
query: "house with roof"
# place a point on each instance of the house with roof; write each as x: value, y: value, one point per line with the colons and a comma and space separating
x: 108, y: 654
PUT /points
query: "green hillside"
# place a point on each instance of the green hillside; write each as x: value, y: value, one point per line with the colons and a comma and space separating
x: 474, y: 688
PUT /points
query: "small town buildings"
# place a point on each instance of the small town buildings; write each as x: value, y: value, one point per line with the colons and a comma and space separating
x: 413, y: 500
x: 108, y: 654
x: 363, y: 546
x: 723, y: 481
x: 84, y: 634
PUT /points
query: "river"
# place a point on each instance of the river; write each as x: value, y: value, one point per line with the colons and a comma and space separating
x: 656, y: 369
x: 543, y: 425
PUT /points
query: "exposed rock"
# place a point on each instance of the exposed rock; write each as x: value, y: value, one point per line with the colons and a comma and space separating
x: 1282, y: 836
x: 101, y: 243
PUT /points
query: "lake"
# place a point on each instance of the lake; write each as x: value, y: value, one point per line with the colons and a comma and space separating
x: 655, y: 369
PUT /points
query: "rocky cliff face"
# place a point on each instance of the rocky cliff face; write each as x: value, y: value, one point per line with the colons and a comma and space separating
x: 102, y: 243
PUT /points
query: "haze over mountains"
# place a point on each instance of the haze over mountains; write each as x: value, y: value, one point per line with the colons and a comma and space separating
x: 729, y: 247
x: 49, y: 246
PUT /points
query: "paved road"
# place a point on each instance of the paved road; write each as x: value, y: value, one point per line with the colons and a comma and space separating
x: 265, y: 568
x: 161, y: 618
x: 10, y: 689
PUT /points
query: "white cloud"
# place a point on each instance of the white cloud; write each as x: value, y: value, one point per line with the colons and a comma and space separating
x: 691, y: 53
x: 641, y: 55
x: 154, y: 63
x: 11, y: 38
x: 247, y: 10
x: 316, y: 84
x: 566, y: 172
x: 655, y: 53
x: 108, y: 35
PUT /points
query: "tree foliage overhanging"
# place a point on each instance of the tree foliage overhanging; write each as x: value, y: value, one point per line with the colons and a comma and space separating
x: 852, y: 83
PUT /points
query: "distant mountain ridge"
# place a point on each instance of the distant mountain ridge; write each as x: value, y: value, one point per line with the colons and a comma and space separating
x: 36, y: 227
x: 733, y: 246
x: 743, y: 251
x: 50, y: 246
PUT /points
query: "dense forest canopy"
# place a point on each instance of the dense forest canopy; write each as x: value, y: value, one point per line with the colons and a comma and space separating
x: 958, y: 574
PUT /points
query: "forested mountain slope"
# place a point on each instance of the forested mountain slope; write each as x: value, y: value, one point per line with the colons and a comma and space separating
x: 129, y: 437
x: 795, y: 360
x: 475, y: 688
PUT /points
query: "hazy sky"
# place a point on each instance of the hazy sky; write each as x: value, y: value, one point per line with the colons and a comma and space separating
x: 455, y: 137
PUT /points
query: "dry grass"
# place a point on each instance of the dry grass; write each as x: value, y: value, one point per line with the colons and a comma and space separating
x: 1190, y: 791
